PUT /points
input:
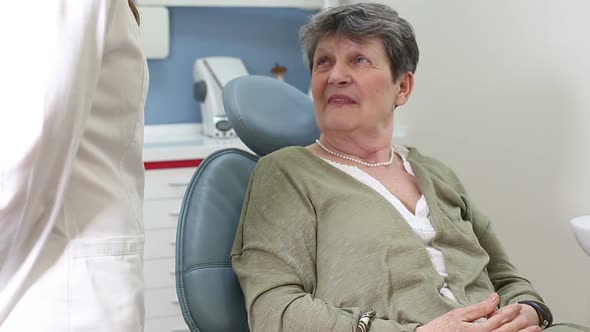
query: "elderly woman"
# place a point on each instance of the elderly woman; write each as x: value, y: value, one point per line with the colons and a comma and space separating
x: 353, y: 233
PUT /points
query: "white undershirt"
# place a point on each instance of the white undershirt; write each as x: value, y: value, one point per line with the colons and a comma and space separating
x: 420, y: 221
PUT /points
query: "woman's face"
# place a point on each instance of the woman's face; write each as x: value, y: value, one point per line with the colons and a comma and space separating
x: 352, y: 86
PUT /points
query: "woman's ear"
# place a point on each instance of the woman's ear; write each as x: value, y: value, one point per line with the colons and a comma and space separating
x: 406, y: 86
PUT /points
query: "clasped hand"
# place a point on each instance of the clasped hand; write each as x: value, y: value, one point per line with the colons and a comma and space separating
x: 511, y: 318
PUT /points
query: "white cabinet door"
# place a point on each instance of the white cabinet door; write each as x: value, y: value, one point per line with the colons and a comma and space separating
x: 161, y: 213
x: 160, y: 243
x: 168, y: 324
x: 159, y: 273
x: 164, y: 191
x: 167, y: 183
x: 161, y: 302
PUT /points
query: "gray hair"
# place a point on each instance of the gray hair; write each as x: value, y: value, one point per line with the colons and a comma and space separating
x: 360, y: 21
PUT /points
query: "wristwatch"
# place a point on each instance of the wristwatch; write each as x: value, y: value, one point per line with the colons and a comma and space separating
x: 545, y: 317
x: 365, y: 321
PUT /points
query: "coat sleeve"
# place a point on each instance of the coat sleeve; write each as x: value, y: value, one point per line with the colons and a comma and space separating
x: 274, y: 257
x: 50, y: 69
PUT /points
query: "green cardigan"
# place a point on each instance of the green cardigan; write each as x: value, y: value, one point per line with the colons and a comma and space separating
x: 315, y: 248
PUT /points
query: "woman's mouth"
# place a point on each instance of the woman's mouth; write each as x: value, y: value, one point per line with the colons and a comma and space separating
x: 341, y: 100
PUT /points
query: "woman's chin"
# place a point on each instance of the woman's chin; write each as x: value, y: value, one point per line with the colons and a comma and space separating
x: 340, y: 124
x: 342, y: 106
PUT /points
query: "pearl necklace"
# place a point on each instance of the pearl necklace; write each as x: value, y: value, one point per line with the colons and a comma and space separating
x: 356, y: 160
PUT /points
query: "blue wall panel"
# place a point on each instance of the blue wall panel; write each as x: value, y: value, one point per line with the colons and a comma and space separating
x: 260, y: 36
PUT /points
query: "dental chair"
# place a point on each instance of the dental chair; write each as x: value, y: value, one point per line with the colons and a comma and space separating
x: 267, y: 114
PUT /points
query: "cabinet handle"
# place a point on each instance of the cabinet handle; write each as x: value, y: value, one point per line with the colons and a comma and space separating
x: 172, y: 273
x: 174, y: 302
x: 178, y: 184
x: 174, y: 214
x: 173, y: 243
x: 180, y: 330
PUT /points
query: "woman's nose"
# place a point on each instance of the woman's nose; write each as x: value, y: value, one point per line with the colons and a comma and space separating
x: 339, y: 76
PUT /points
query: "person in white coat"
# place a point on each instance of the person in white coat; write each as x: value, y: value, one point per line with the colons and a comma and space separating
x: 73, y: 82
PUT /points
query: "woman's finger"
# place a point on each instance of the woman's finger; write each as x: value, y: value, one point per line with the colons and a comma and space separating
x: 532, y: 329
x: 502, y: 317
x: 479, y: 310
x: 512, y: 326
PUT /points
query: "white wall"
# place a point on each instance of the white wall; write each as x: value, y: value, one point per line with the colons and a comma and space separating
x: 503, y: 97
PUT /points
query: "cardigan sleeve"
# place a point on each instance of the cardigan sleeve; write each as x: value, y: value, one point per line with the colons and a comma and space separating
x: 507, y: 281
x: 274, y: 258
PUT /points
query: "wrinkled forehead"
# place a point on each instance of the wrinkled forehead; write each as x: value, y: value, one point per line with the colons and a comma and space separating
x: 331, y: 41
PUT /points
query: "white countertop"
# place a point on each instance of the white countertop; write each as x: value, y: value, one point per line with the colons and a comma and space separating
x: 182, y: 142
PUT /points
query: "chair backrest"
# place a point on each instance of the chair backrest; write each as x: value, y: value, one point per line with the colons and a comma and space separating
x: 267, y: 115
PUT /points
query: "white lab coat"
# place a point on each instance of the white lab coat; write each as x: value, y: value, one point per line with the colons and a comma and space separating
x: 73, y: 83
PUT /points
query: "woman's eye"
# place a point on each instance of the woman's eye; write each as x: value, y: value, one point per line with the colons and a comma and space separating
x: 322, y: 62
x: 361, y: 59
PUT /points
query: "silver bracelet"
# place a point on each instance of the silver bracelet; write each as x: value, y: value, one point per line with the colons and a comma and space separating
x: 365, y: 321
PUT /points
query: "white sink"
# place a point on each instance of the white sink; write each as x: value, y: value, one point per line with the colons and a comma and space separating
x: 581, y: 228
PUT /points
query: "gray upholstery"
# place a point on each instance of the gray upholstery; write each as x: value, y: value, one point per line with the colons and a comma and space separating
x: 208, y: 291
x: 267, y: 122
